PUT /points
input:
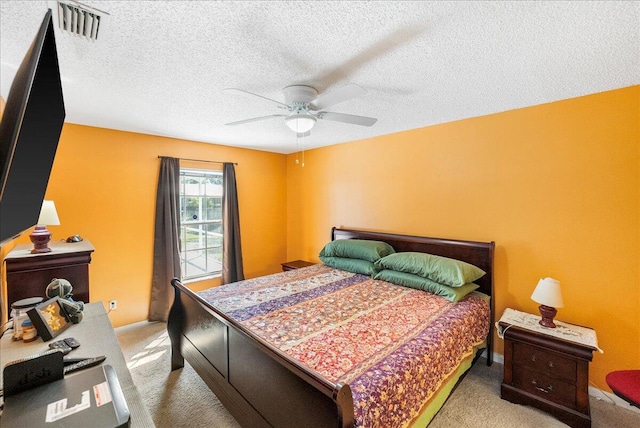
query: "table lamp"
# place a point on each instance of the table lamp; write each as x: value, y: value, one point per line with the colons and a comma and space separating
x: 548, y: 294
x: 41, y: 236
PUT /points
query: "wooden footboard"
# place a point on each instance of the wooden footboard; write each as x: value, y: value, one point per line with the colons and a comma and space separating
x: 258, y: 384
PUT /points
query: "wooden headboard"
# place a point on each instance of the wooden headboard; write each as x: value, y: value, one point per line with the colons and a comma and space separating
x: 479, y: 254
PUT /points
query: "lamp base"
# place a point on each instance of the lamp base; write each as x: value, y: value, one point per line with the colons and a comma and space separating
x: 40, y: 238
x: 548, y: 313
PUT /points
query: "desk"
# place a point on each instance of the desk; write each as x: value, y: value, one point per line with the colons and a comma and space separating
x: 96, y: 337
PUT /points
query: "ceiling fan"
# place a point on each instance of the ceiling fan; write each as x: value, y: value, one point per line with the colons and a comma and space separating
x: 303, y: 107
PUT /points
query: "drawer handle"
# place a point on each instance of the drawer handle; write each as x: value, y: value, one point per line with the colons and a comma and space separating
x: 550, y: 364
x: 546, y: 390
x: 533, y: 358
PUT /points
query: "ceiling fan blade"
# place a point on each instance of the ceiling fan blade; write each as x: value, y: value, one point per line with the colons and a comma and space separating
x: 344, y: 93
x: 347, y: 118
x: 256, y: 119
x: 250, y: 94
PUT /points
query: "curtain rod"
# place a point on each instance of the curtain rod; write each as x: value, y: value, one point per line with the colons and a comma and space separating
x: 196, y: 160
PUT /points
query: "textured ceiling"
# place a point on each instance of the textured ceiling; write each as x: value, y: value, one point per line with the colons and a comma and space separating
x: 159, y: 67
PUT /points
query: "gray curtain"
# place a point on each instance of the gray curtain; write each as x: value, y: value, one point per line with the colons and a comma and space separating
x: 232, y: 269
x: 166, y: 244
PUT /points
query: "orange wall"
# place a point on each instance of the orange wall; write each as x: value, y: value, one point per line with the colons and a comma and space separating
x: 556, y: 186
x: 104, y: 185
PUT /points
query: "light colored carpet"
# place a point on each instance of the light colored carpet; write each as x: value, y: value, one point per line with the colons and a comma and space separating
x: 181, y: 399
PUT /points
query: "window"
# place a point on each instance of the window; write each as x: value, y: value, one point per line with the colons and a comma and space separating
x: 200, y: 223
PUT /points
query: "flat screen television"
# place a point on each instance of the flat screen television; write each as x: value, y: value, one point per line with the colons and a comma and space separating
x: 29, y: 134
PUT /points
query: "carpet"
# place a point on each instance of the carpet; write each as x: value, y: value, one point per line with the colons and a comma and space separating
x: 181, y: 399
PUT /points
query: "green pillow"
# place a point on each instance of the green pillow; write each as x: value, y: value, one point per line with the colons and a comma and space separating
x: 440, y: 269
x: 453, y: 294
x: 357, y: 249
x: 364, y: 267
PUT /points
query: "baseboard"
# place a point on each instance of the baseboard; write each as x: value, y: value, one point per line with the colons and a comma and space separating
x: 594, y: 392
x: 498, y: 358
x: 599, y: 394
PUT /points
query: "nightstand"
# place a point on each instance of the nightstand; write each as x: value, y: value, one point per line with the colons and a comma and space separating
x: 548, y: 369
x: 296, y: 264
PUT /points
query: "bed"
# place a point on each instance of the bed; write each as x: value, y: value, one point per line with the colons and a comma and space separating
x: 262, y: 383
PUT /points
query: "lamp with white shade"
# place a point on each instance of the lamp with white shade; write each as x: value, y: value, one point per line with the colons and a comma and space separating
x: 549, y: 295
x: 41, y: 236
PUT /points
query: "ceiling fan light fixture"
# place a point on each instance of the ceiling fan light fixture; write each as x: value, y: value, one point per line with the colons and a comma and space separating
x: 300, y: 122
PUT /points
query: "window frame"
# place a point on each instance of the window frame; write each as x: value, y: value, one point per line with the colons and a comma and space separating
x: 209, y: 251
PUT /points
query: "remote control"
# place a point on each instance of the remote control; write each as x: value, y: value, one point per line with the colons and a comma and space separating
x: 71, y: 342
x: 84, y: 364
x: 72, y: 360
x: 61, y: 345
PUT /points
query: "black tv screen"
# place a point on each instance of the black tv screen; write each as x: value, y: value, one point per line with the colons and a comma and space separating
x: 29, y: 134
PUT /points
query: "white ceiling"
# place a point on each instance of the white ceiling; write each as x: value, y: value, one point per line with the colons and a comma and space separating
x: 159, y: 67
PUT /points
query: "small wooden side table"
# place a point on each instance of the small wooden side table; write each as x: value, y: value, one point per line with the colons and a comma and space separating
x: 547, y: 372
x: 295, y: 264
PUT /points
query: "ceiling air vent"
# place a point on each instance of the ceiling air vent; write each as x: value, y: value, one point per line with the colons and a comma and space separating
x: 80, y: 20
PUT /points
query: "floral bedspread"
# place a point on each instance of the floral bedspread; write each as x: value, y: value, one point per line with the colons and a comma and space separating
x: 395, y: 346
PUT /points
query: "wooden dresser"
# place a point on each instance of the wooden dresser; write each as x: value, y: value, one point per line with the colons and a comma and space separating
x: 29, y: 274
x: 548, y: 373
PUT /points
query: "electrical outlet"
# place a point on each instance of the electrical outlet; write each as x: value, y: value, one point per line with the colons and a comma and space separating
x: 113, y: 304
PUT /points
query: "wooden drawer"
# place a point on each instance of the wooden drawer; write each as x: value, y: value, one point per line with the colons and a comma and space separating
x: 549, y: 363
x: 544, y: 386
